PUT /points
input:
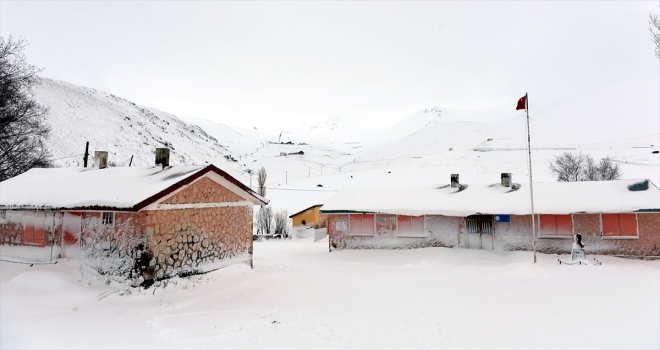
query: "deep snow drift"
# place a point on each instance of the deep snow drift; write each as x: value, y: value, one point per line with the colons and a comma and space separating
x: 301, y: 296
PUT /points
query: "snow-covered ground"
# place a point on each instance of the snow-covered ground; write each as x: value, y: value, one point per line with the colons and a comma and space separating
x: 301, y: 296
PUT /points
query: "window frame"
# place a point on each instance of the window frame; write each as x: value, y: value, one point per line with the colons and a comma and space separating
x: 412, y: 234
x: 103, y: 219
x: 556, y: 236
x: 352, y: 233
x: 619, y: 236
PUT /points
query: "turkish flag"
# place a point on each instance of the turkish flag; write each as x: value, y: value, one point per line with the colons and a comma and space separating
x: 522, y: 103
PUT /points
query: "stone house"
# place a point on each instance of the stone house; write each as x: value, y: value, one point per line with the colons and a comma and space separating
x: 147, y: 223
x: 619, y: 217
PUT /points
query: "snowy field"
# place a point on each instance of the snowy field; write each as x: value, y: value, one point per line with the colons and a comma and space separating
x: 301, y: 296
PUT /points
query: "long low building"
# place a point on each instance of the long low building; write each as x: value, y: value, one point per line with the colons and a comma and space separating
x: 146, y: 222
x: 619, y: 217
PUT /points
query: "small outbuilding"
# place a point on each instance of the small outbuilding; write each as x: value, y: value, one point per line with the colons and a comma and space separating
x: 309, y: 217
x: 148, y: 222
x: 620, y: 217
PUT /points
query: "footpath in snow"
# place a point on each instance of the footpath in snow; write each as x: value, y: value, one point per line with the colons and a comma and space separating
x: 301, y: 296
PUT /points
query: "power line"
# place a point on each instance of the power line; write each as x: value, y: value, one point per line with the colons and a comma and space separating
x: 295, y: 189
x: 70, y: 156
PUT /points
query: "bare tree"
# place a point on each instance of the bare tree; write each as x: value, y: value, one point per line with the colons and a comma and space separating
x: 22, y: 119
x: 568, y: 167
x: 261, y: 179
x: 264, y: 221
x: 608, y: 170
x: 282, y: 223
x: 591, y: 171
x: 579, y: 167
x: 654, y: 28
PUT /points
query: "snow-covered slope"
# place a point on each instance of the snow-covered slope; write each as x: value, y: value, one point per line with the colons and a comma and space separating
x: 620, y: 122
x: 124, y: 129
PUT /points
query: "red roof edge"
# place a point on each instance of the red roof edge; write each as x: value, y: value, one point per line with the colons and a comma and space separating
x: 195, y: 176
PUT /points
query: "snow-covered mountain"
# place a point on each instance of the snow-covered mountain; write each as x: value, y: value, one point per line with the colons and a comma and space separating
x: 307, y: 164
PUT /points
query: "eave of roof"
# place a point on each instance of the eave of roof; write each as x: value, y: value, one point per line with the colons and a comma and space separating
x: 313, y: 206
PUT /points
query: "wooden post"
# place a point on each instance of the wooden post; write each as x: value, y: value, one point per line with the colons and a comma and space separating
x: 86, y: 154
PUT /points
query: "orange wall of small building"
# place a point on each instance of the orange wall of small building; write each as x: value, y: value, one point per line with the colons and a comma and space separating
x: 311, y: 216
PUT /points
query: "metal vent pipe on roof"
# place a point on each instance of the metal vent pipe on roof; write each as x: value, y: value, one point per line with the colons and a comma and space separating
x: 100, y: 159
x: 454, y: 180
x: 506, y: 179
x: 163, y: 157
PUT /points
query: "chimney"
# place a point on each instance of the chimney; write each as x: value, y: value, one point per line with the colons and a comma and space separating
x: 100, y: 159
x: 506, y: 179
x: 163, y: 157
x: 454, y: 180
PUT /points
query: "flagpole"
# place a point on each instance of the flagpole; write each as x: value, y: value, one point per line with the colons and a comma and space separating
x: 531, y: 189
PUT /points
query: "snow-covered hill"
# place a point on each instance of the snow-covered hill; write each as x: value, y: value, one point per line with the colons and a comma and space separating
x: 124, y: 129
x: 621, y: 122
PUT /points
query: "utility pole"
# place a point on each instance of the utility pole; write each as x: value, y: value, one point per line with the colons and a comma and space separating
x: 86, y: 154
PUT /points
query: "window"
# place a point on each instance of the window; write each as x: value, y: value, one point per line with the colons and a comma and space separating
x: 556, y: 225
x: 619, y: 225
x: 479, y: 223
x: 108, y: 218
x: 33, y: 229
x: 361, y: 224
x: 411, y: 226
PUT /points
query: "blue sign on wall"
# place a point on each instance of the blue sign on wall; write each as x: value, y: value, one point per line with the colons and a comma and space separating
x: 502, y: 218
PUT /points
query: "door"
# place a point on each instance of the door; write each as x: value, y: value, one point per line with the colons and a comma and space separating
x: 71, y: 229
x: 480, y: 230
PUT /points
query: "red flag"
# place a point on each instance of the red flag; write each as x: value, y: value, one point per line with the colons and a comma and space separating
x: 522, y: 103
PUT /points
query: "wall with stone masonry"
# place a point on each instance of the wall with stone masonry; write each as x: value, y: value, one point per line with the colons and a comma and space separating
x: 204, y: 190
x: 184, y: 240
x: 113, y: 249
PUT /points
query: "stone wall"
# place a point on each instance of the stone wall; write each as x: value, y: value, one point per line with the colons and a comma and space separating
x: 204, y: 190
x: 187, y: 240
x: 114, y: 249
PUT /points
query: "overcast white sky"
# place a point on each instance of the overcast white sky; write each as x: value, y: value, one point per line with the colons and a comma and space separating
x: 252, y: 63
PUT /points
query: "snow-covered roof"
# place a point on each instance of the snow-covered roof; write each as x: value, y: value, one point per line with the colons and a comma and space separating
x: 549, y: 198
x: 304, y: 210
x: 123, y: 188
